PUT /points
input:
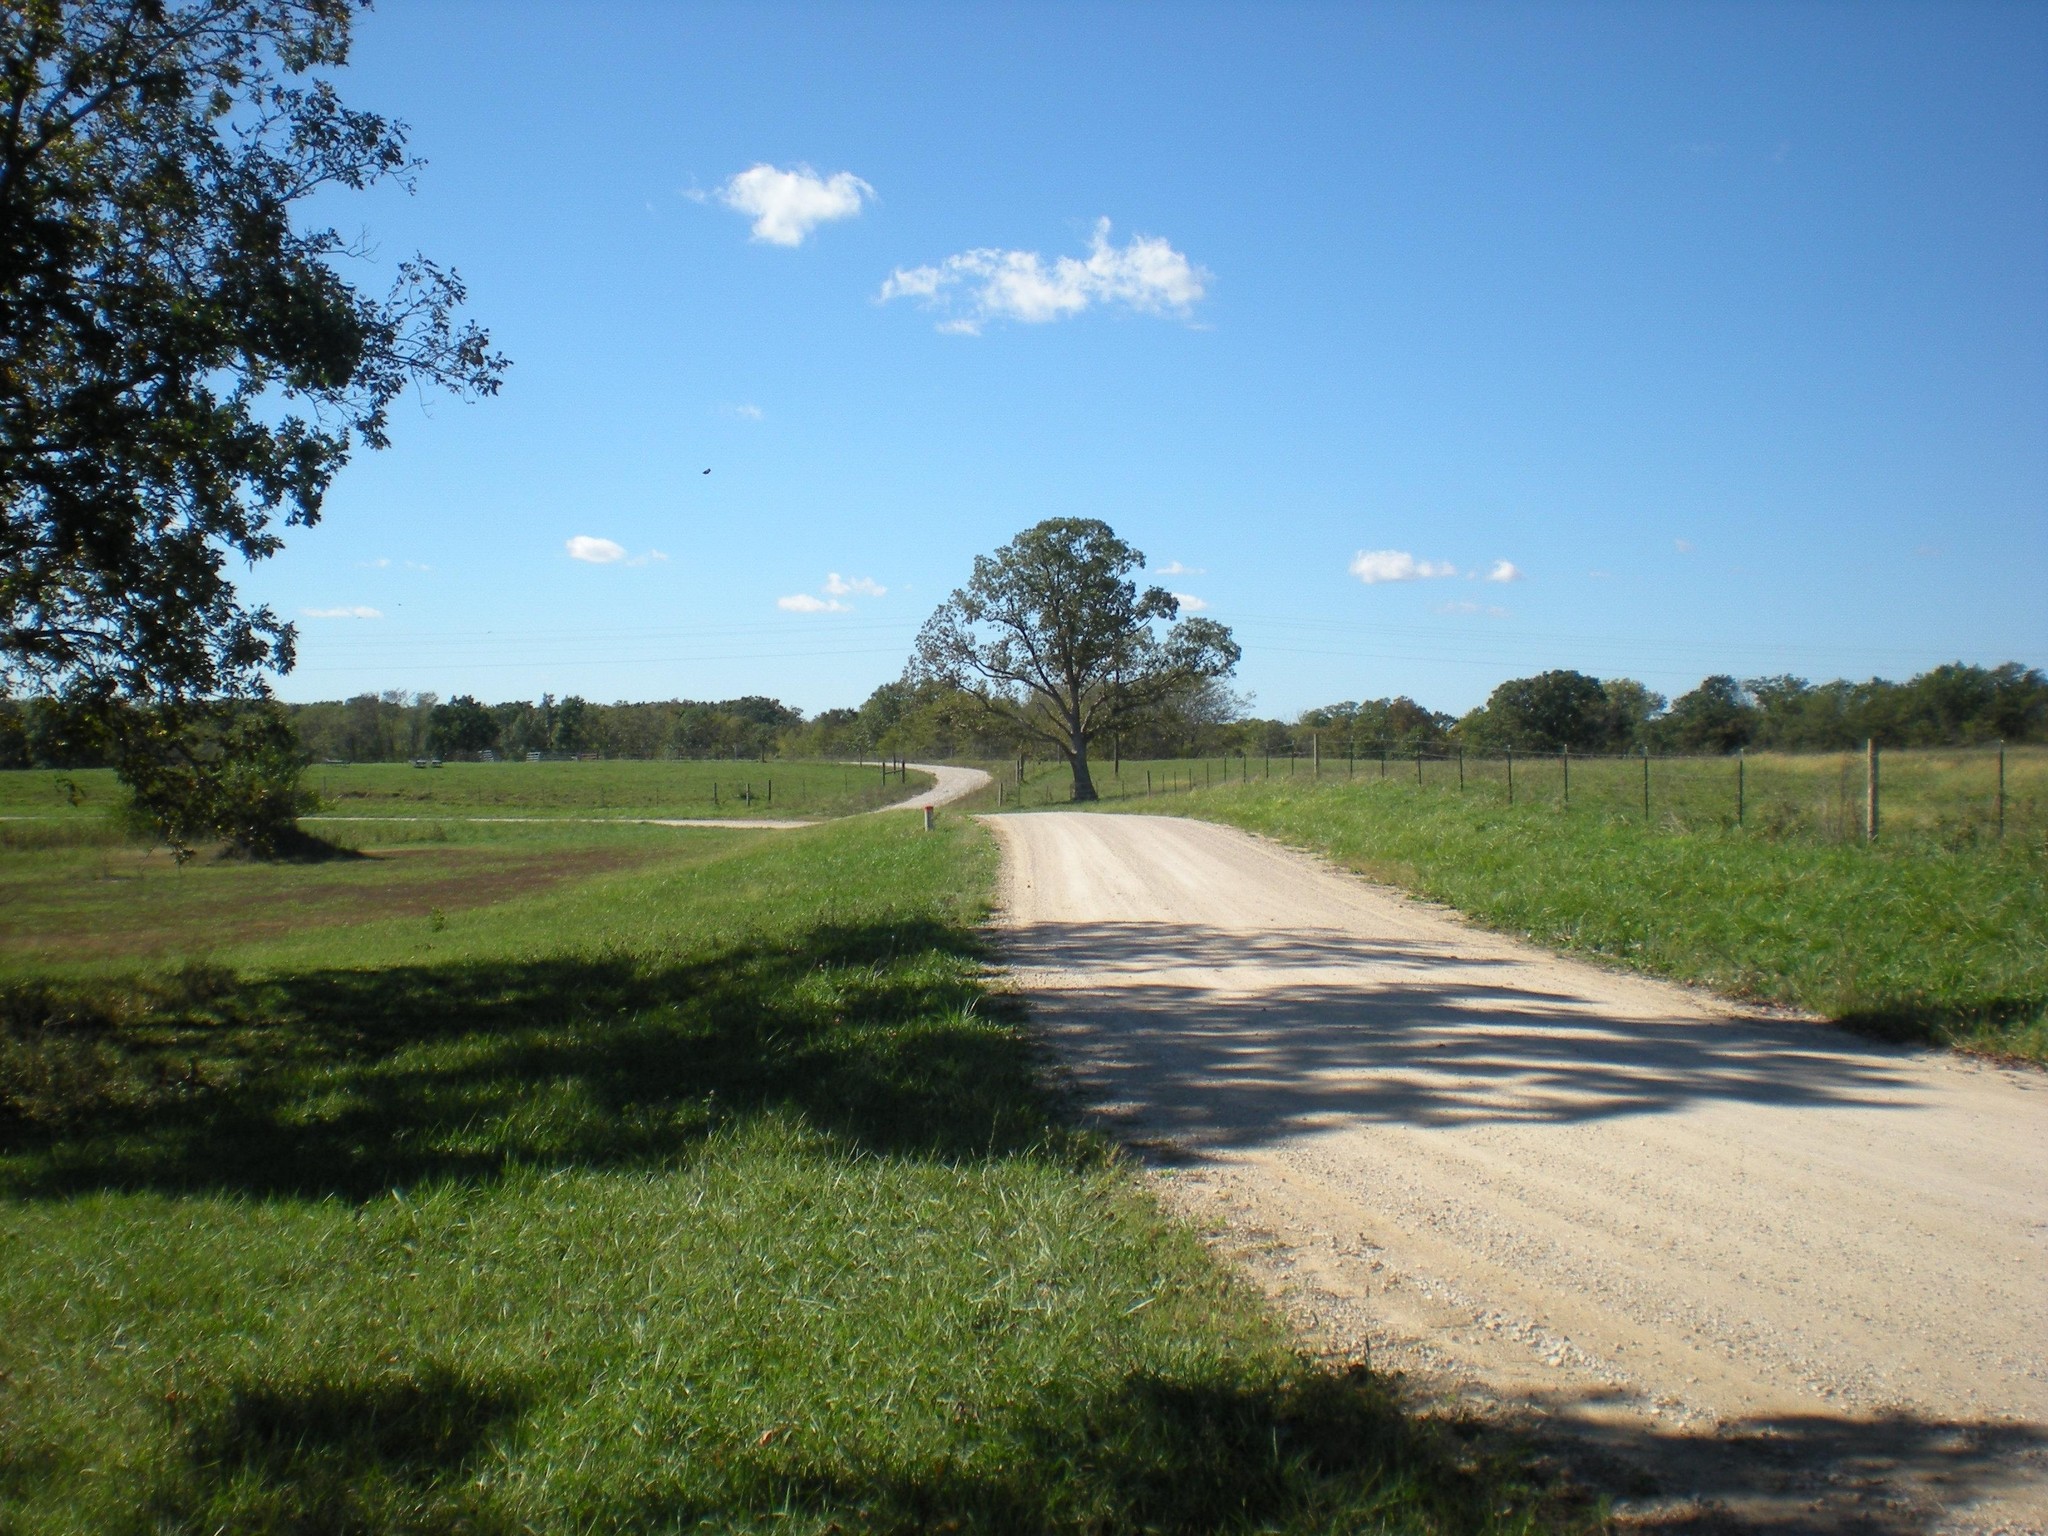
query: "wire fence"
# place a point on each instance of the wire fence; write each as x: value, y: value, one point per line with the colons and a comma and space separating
x: 1946, y: 797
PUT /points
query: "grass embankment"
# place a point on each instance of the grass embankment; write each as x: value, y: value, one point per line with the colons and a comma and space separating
x: 613, y: 789
x: 1913, y: 942
x: 712, y: 1189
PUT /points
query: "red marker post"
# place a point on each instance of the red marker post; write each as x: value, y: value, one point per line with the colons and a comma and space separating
x: 927, y: 818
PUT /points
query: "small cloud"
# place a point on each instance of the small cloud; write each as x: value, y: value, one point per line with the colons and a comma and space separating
x: 650, y: 558
x: 1373, y: 566
x: 1491, y: 610
x: 1145, y: 274
x: 1684, y: 546
x: 1175, y: 568
x: 839, y: 586
x: 359, y: 611
x: 595, y: 551
x: 803, y: 602
x: 1504, y: 570
x: 1191, y: 603
x: 747, y: 412
x: 381, y: 563
x: 787, y: 205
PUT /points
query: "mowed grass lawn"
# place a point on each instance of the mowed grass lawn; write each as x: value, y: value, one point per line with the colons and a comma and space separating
x: 1911, y: 940
x: 699, y: 1184
x: 617, y: 789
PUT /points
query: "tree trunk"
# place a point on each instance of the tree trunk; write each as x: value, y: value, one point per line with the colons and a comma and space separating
x: 1084, y: 784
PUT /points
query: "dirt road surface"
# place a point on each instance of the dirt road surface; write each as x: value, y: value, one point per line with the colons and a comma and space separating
x: 1735, y: 1268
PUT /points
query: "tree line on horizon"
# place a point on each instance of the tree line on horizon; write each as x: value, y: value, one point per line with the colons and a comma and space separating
x: 1560, y: 710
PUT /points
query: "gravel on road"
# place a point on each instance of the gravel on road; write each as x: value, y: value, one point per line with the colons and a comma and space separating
x: 1743, y: 1266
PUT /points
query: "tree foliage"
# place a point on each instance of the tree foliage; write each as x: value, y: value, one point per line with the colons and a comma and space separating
x: 1052, y: 637
x: 183, y: 369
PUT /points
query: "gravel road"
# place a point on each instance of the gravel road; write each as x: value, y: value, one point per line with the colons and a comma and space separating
x: 1736, y: 1267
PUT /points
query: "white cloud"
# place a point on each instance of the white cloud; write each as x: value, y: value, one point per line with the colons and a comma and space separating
x: 1146, y: 274
x: 1684, y: 546
x: 1191, y: 603
x: 861, y: 586
x: 803, y: 602
x: 1175, y: 568
x: 1491, y: 610
x: 787, y: 205
x: 357, y: 612
x: 1504, y: 570
x: 595, y: 551
x: 1373, y: 566
x: 747, y: 412
x: 651, y: 557
x: 381, y: 563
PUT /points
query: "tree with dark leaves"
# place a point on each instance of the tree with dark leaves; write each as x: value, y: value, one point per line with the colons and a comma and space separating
x: 1052, y: 637
x: 183, y: 368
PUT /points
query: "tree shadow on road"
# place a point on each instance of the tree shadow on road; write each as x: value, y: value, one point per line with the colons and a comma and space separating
x: 1433, y: 1037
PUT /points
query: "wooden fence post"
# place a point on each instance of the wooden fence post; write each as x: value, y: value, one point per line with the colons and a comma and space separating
x: 1461, y: 770
x: 1315, y: 745
x: 1741, y: 762
x: 2001, y: 791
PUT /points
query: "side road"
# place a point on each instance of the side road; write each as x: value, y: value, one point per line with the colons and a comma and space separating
x: 1768, y: 1266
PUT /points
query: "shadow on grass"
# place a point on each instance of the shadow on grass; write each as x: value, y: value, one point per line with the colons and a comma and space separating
x: 388, y: 1453
x: 1314, y: 1451
x: 354, y: 1082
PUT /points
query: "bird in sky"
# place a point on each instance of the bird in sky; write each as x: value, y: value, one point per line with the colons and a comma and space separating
x: 707, y: 471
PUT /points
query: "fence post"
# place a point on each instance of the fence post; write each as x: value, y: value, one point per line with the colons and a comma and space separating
x: 1315, y: 745
x: 1565, y: 757
x: 1870, y: 790
x: 1646, y: 782
x: 1461, y: 770
x: 1418, y: 768
x: 1511, y: 775
x: 1741, y: 762
x: 2001, y: 791
x: 1148, y: 781
x: 1383, y: 762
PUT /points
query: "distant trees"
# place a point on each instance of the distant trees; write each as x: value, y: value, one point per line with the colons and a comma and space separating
x: 1051, y: 638
x: 1559, y: 711
x: 461, y: 725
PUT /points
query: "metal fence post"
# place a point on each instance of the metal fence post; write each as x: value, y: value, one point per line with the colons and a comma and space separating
x: 1511, y: 775
x: 1646, y: 781
x: 1461, y: 770
x: 1418, y: 770
x: 1565, y: 757
x: 1870, y: 790
x: 1315, y: 745
x: 1741, y: 761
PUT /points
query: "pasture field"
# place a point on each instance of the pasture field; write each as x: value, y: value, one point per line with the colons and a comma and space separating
x: 615, y: 788
x: 518, y: 1177
x: 1927, y: 798
x: 1915, y: 938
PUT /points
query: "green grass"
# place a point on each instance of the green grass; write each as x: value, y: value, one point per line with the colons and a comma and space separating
x: 1929, y: 798
x: 618, y: 789
x: 1916, y: 942
x: 707, y: 1190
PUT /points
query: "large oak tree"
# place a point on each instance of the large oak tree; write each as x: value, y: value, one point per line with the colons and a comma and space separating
x: 184, y: 364
x: 1053, y: 637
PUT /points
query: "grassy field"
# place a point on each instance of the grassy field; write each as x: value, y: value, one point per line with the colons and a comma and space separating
x: 1910, y: 939
x: 467, y: 1187
x: 597, y: 789
x: 1927, y: 799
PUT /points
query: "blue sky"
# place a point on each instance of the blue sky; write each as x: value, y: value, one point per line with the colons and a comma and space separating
x: 1725, y: 327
